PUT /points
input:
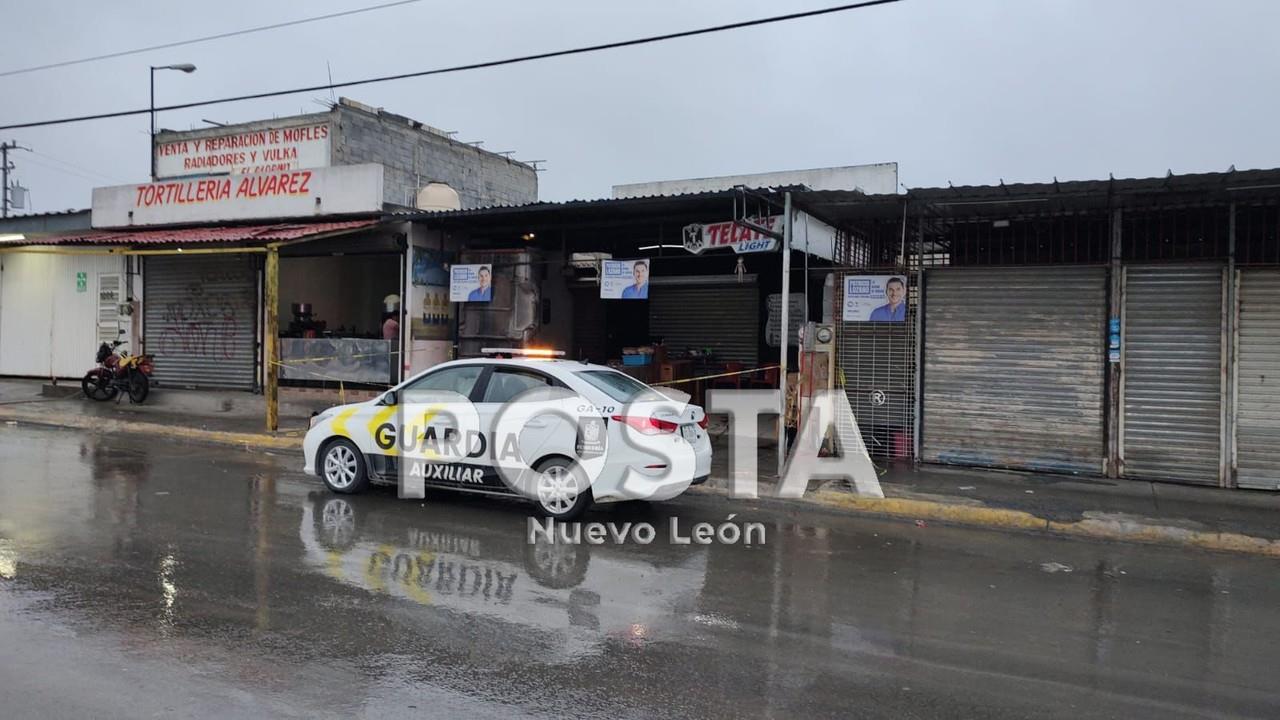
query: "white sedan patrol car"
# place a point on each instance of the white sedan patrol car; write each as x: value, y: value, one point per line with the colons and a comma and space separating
x: 561, y: 433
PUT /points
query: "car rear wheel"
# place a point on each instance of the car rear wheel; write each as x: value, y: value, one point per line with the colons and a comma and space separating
x: 562, y: 492
x: 342, y: 467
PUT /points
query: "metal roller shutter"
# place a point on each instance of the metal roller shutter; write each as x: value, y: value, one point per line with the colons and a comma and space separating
x: 1014, y: 368
x: 200, y: 320
x: 723, y: 316
x: 1172, y: 377
x: 1258, y: 381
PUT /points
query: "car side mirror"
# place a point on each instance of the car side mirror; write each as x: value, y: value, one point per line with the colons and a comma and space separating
x: 389, y: 398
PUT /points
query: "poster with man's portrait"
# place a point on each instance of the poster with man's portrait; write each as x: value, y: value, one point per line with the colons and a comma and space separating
x: 624, y: 279
x: 875, y: 298
x: 471, y: 283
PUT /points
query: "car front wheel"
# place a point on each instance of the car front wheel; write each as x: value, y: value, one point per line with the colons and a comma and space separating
x: 342, y: 467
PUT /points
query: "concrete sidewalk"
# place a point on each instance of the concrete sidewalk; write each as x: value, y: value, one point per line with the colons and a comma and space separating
x: 226, y: 416
x: 1123, y: 510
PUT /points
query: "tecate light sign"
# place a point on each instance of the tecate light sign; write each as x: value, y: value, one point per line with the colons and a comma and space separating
x: 699, y: 238
x: 264, y: 150
x: 290, y: 194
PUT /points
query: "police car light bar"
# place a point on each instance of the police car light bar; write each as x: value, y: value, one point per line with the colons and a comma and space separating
x: 526, y: 352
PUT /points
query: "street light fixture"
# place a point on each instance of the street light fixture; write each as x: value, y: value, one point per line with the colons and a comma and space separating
x: 183, y: 67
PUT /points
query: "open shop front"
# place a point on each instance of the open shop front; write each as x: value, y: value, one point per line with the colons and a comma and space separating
x: 339, y: 310
x: 680, y: 291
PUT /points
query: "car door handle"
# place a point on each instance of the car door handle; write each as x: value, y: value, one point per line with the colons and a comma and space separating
x: 536, y: 424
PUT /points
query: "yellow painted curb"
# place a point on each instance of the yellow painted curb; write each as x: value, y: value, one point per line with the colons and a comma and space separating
x: 929, y: 510
x: 100, y: 424
x: 1124, y: 530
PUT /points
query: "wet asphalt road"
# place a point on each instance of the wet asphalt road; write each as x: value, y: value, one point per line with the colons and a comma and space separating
x: 142, y: 579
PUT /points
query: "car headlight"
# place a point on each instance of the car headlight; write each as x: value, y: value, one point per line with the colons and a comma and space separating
x: 320, y: 417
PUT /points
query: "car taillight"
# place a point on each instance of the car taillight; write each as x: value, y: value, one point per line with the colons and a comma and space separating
x: 647, y: 425
x: 703, y: 422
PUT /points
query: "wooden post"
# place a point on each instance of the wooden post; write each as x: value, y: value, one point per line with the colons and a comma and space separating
x: 271, y: 339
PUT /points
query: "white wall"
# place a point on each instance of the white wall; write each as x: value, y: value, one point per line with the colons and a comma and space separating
x: 47, y: 327
x: 877, y: 179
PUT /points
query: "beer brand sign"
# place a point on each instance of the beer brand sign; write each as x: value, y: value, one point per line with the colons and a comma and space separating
x: 742, y: 239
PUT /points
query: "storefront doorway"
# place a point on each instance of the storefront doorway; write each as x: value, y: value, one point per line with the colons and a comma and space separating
x: 340, y: 319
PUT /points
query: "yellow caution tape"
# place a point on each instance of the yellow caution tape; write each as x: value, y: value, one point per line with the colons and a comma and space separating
x: 340, y: 357
x: 719, y: 375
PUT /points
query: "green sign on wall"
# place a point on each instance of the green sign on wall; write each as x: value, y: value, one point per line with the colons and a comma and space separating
x: 82, y: 282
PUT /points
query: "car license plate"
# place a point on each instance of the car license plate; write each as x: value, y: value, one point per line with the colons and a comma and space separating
x: 689, y: 432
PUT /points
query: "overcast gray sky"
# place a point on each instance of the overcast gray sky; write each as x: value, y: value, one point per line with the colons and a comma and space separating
x: 969, y: 91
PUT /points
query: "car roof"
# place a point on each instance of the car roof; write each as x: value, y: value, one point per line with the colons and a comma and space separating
x: 556, y: 367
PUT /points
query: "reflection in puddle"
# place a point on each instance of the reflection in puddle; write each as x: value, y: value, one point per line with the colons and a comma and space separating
x: 582, y: 594
x: 8, y: 560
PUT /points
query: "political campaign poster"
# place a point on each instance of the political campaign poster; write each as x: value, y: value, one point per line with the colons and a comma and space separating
x: 875, y: 298
x: 471, y: 283
x: 624, y: 279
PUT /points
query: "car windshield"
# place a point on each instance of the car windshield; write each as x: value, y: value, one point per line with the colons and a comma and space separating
x: 619, y: 386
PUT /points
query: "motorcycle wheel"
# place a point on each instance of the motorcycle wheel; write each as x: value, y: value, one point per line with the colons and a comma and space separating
x: 139, y: 387
x: 96, y: 385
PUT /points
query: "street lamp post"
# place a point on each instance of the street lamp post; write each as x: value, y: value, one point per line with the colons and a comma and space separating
x: 183, y: 67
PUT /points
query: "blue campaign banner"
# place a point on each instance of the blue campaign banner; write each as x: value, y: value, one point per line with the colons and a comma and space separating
x: 471, y: 283
x: 875, y: 298
x: 624, y: 279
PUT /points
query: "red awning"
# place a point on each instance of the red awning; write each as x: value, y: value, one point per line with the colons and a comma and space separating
x: 219, y: 234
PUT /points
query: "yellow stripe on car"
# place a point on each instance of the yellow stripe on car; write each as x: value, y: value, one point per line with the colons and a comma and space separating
x: 340, y: 422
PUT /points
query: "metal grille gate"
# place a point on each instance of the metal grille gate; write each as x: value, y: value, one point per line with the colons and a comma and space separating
x: 1171, y: 418
x: 200, y: 320
x: 1014, y: 366
x: 876, y: 364
x: 1257, y: 393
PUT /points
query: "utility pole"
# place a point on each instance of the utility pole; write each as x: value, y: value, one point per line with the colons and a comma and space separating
x: 5, y: 167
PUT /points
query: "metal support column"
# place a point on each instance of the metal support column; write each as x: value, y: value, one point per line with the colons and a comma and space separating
x: 1114, y: 313
x: 4, y: 178
x: 271, y: 339
x: 785, y: 331
x: 919, y: 333
x: 151, y: 138
x: 1230, y: 285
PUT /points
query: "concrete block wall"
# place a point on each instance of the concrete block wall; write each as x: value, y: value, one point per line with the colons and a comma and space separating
x: 414, y: 154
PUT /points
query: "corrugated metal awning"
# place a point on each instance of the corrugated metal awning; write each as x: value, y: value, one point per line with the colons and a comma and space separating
x: 182, y: 236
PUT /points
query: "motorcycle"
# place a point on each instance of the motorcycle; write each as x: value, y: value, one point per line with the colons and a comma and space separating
x: 117, y: 372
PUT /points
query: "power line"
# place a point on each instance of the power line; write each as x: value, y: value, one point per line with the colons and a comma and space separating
x: 206, y: 38
x: 66, y: 171
x: 470, y: 66
x: 68, y: 166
